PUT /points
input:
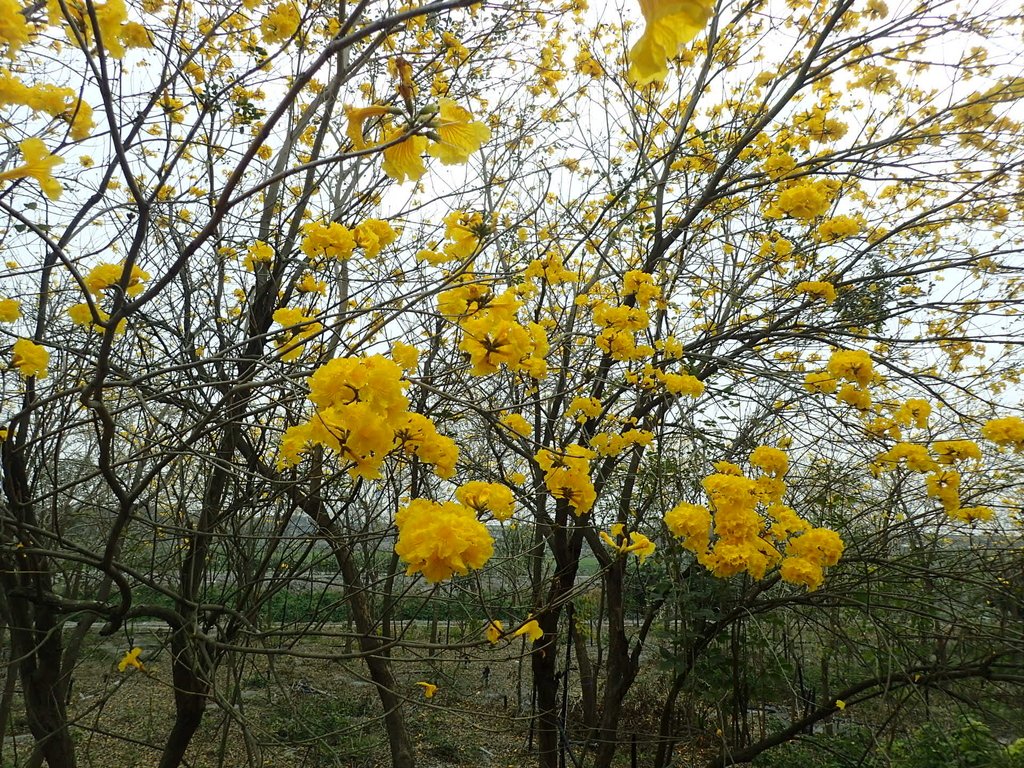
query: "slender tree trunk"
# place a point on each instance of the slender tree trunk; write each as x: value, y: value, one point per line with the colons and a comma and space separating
x: 544, y: 664
x: 588, y: 680
x: 377, y: 663
x: 191, y: 689
x: 621, y: 668
x: 36, y: 643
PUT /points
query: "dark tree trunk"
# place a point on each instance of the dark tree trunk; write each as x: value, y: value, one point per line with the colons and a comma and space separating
x: 621, y: 667
x: 191, y: 689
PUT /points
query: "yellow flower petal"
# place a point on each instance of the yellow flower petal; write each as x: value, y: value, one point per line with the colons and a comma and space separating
x: 404, y: 160
x: 670, y: 25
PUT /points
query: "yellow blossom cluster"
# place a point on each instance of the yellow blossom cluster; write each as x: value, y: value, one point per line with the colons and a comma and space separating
x: 491, y: 334
x: 625, y: 543
x: 749, y: 525
x: 808, y: 554
x: 451, y: 136
x: 914, y: 411
x: 81, y: 315
x: 620, y: 324
x: 440, y: 540
x: 494, y: 631
x: 258, y: 253
x: 778, y: 163
x: 373, y: 236
x: 818, y: 289
x: 641, y: 286
x: 583, y: 409
x: 567, y: 475
x: 362, y: 416
x: 487, y: 497
x: 803, y: 199
x: 39, y: 164
x: 818, y: 126
x: 280, y: 23
x: 611, y: 444
x: 839, y: 228
x: 852, y: 366
x: 550, y: 269
x: 107, y: 275
x: 53, y: 100
x: 680, y: 384
x: 943, y: 481
x: 30, y: 359
x: 10, y: 310
x: 15, y: 30
x: 462, y: 233
x: 517, y: 423
x: 110, y: 21
x: 299, y: 328
x: 331, y: 241
x: 1005, y: 431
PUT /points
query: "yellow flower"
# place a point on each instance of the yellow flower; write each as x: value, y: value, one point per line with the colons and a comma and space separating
x: 30, y: 359
x: 258, y: 252
x: 670, y: 25
x: 39, y: 165
x: 104, y: 276
x: 950, y: 451
x: 457, y: 135
x: 487, y: 497
x: 692, y: 523
x: 682, y: 384
x: 357, y: 116
x: 14, y: 28
x: 130, y: 659
x: 1005, y: 431
x: 429, y: 689
x: 851, y: 365
x: 800, y: 571
x: 404, y: 160
x: 373, y: 236
x: 531, y: 629
x: 439, y: 540
x: 494, y: 631
x: 136, y: 36
x: 818, y: 289
x: 840, y: 704
x: 334, y: 240
x: 770, y: 460
x: 517, y: 423
x: 805, y: 200
x: 309, y: 284
x: 10, y: 310
x: 80, y: 314
x: 820, y: 382
x: 280, y: 23
x: 405, y: 355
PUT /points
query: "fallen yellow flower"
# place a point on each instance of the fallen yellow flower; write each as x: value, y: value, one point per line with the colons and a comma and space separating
x: 130, y: 659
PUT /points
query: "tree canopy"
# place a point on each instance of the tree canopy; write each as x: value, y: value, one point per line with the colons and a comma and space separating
x: 723, y: 297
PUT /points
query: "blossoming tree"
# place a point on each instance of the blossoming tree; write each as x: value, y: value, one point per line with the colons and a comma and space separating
x: 414, y: 274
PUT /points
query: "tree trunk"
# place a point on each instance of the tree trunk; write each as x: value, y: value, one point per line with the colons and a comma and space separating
x: 588, y: 680
x: 190, y: 695
x: 621, y: 668
x: 377, y: 663
x: 37, y: 644
x: 544, y: 661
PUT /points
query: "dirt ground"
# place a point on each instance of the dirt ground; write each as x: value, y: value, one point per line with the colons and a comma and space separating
x: 287, y: 712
